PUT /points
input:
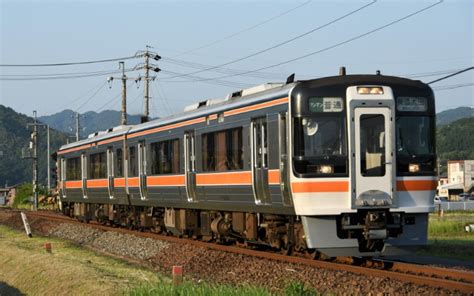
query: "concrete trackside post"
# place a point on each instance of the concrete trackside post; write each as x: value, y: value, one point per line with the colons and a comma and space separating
x: 177, y: 275
x: 26, y: 224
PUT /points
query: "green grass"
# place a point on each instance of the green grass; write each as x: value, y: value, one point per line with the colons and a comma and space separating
x: 72, y: 270
x: 447, y: 236
x: 206, y: 289
x: 198, y: 289
x: 68, y: 270
x: 450, y: 224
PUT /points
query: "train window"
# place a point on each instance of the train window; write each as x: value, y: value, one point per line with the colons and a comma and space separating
x: 165, y: 157
x: 414, y: 136
x: 320, y: 148
x: 372, y: 142
x: 415, y: 145
x: 73, y: 168
x: 119, y: 172
x: 132, y: 162
x: 98, y: 166
x: 223, y: 150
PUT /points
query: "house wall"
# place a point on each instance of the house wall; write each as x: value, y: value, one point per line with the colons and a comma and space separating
x: 468, y: 174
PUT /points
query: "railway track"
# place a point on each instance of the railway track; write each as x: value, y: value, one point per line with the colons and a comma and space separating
x: 436, y: 277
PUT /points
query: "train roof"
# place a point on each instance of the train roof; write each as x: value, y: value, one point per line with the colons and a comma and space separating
x: 246, y: 97
x: 345, y: 80
x: 234, y: 100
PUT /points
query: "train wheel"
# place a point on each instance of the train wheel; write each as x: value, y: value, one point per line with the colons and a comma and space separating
x: 313, y: 254
x: 287, y: 249
x: 317, y: 255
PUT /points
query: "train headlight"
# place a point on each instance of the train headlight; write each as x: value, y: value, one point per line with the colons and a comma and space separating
x: 325, y: 169
x: 310, y: 126
x: 373, y: 90
x: 413, y: 168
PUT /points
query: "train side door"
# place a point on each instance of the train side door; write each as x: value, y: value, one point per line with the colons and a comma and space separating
x: 373, y: 156
x: 62, y: 173
x: 283, y: 147
x: 84, y: 174
x: 142, y: 169
x: 190, y: 165
x: 110, y: 171
x: 259, y: 161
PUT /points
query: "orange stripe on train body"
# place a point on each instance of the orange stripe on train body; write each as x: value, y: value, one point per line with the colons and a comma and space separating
x: 75, y: 148
x: 73, y: 184
x: 114, y: 139
x: 274, y: 177
x: 328, y: 186
x: 416, y: 185
x: 185, y: 123
x: 167, y: 127
x: 97, y: 183
x: 228, y: 178
x: 133, y: 182
x: 234, y: 178
x: 174, y: 180
x: 256, y: 107
x: 119, y: 182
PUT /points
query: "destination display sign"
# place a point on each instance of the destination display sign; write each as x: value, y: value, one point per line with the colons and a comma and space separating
x: 412, y: 104
x: 325, y: 104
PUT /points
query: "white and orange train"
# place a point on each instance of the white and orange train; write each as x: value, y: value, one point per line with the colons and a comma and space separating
x: 341, y: 165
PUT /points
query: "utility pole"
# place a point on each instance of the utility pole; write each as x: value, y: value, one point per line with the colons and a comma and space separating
x: 78, y: 125
x: 147, y: 92
x: 32, y: 153
x: 35, y: 161
x: 124, y: 95
x: 34, y: 156
x: 77, y: 128
x: 147, y: 66
x: 124, y: 79
x: 47, y: 159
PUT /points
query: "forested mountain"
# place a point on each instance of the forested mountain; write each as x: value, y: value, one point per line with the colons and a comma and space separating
x: 452, y: 115
x: 455, y: 141
x: 14, y: 135
x: 91, y: 121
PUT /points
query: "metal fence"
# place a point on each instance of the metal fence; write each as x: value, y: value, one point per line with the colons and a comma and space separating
x: 455, y: 206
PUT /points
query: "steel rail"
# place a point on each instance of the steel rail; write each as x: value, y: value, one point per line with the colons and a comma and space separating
x: 436, y: 277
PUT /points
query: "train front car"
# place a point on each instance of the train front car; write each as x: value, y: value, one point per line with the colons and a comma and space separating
x: 364, y: 165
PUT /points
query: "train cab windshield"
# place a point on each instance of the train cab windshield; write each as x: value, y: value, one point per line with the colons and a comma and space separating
x: 320, y: 147
x: 415, y: 137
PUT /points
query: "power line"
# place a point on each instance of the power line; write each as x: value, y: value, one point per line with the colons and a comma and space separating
x: 68, y: 63
x: 55, y: 74
x: 284, y: 42
x: 91, y: 97
x: 162, y: 94
x: 245, y: 30
x: 326, y: 48
x: 75, y: 100
x: 213, y: 81
x: 453, y: 86
x: 429, y: 74
x: 451, y: 75
x: 161, y: 99
x: 222, y: 70
x: 108, y: 102
x: 61, y: 77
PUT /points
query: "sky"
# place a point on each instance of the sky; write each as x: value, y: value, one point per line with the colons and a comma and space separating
x: 205, y: 34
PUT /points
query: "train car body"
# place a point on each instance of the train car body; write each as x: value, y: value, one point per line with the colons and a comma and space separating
x: 344, y: 165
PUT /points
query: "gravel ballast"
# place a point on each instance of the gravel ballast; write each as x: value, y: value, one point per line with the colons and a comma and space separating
x: 124, y: 245
x: 202, y: 264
